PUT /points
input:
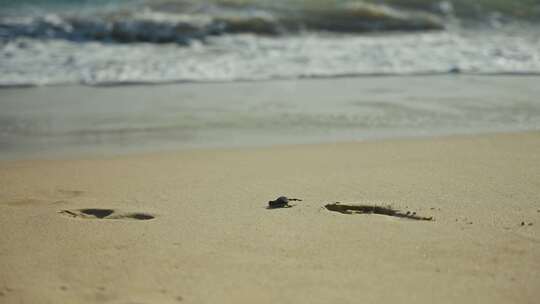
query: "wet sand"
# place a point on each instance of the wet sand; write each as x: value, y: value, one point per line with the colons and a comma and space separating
x: 192, y: 226
x: 66, y: 121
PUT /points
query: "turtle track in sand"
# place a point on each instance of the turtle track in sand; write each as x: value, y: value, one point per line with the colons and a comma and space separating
x: 106, y: 214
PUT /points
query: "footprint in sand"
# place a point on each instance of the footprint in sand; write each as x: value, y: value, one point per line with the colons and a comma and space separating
x: 374, y: 209
x: 106, y: 214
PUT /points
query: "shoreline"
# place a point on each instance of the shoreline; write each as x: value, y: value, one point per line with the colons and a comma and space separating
x: 56, y: 122
x: 82, y: 156
x: 451, y: 73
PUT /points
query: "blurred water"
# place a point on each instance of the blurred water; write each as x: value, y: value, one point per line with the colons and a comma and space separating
x: 75, y: 120
x: 138, y: 41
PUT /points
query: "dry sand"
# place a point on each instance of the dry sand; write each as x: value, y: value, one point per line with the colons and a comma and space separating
x: 213, y: 241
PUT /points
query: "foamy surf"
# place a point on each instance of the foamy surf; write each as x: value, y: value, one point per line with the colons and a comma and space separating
x: 163, y: 41
x: 252, y: 57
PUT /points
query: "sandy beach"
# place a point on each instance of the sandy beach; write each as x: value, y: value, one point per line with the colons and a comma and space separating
x: 192, y: 226
x: 256, y: 151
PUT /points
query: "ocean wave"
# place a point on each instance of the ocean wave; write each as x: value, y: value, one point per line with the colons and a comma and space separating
x: 144, y: 27
x: 181, y: 27
x: 248, y: 57
x: 165, y: 41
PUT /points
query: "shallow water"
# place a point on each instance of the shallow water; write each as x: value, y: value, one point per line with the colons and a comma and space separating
x: 81, y: 120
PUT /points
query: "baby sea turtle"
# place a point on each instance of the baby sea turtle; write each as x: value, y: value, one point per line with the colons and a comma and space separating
x: 282, y: 202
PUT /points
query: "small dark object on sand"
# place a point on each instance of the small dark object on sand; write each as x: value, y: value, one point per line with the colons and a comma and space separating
x: 522, y: 223
x: 282, y: 202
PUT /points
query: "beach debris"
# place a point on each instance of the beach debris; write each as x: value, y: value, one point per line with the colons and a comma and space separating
x: 522, y: 223
x: 374, y: 209
x: 282, y: 202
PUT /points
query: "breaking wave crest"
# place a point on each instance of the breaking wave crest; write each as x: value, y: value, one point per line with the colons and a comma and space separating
x: 253, y: 57
x: 157, y: 41
x: 178, y: 27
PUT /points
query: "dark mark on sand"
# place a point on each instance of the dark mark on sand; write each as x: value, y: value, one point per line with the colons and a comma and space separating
x: 373, y: 209
x: 107, y: 214
x: 282, y: 202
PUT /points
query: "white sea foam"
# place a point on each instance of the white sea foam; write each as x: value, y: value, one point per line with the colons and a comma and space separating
x: 171, y: 41
x: 26, y: 61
